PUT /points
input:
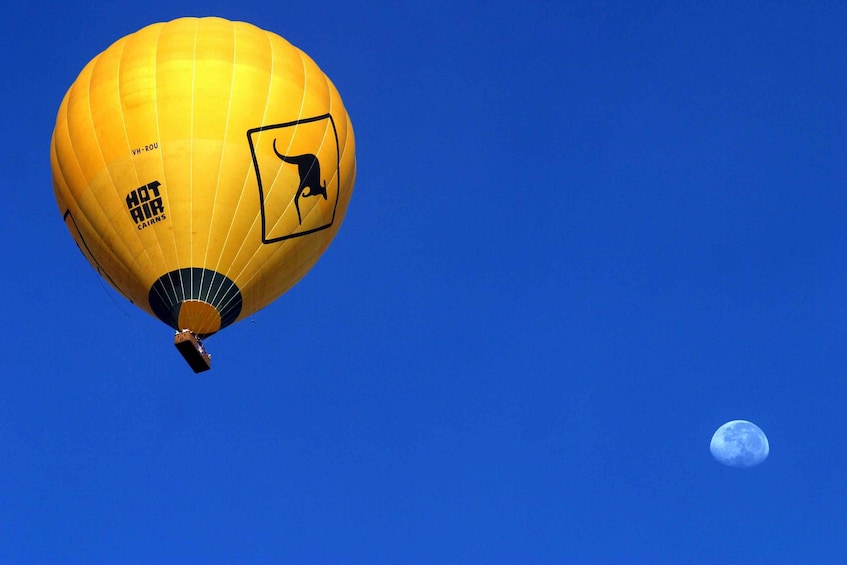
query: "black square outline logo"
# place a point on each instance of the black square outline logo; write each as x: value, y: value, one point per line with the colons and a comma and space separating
x: 254, y: 131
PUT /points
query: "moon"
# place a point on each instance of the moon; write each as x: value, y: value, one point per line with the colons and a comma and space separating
x: 740, y: 443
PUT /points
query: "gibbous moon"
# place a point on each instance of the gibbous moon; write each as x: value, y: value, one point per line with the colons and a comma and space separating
x: 740, y: 443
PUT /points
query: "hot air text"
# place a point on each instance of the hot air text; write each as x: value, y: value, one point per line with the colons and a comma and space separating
x: 145, y: 205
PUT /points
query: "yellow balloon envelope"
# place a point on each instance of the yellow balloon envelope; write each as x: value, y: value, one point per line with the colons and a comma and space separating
x: 202, y: 166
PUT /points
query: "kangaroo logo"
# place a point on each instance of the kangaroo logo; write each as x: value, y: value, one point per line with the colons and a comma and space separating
x: 296, y: 163
x: 309, y: 169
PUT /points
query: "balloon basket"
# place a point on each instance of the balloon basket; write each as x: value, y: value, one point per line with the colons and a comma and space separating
x: 191, y: 348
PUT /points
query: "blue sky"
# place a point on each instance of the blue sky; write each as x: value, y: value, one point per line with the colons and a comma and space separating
x: 583, y: 236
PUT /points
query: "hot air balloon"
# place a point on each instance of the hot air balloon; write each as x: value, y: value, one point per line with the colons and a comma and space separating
x: 202, y: 166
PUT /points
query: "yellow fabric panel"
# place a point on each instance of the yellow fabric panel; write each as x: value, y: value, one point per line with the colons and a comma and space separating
x: 74, y: 173
x: 137, y: 87
x: 200, y: 317
x: 182, y: 146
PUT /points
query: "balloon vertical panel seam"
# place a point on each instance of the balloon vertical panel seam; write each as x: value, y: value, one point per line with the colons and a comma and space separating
x: 71, y: 148
x: 243, y: 191
x: 138, y: 182
x: 155, y: 99
x: 215, y: 203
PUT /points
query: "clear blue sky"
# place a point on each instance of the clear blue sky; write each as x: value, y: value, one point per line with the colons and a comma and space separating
x: 583, y: 236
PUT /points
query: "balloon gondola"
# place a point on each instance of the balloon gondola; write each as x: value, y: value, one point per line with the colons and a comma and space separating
x: 202, y: 167
x: 192, y: 350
